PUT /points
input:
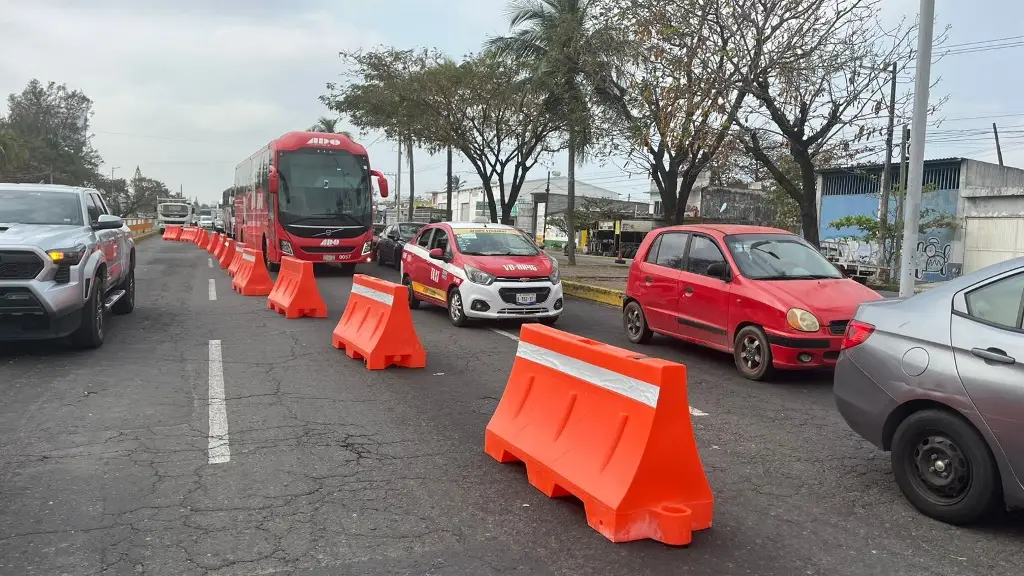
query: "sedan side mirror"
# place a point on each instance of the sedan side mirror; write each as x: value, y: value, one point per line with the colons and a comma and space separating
x: 108, y: 222
x: 719, y: 270
x: 437, y: 254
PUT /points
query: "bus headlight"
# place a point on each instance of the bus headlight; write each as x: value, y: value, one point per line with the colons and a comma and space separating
x: 286, y: 248
x: 367, y: 248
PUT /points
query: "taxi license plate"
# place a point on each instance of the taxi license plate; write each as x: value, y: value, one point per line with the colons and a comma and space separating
x: 328, y: 257
x: 529, y: 298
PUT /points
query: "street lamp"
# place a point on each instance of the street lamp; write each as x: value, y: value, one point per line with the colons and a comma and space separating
x: 112, y: 168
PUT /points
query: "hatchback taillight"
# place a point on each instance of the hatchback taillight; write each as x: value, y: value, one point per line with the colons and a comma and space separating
x: 856, y: 333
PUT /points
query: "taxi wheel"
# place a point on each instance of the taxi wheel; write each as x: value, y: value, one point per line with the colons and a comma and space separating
x: 456, y: 313
x: 413, y: 302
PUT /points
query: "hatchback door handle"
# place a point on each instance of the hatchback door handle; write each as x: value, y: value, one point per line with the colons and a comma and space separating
x: 688, y: 289
x: 993, y: 355
x: 648, y: 279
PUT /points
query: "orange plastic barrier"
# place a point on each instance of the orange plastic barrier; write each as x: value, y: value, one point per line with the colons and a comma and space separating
x: 252, y: 278
x: 172, y: 232
x: 188, y: 234
x: 215, y: 242
x: 609, y: 427
x: 295, y: 293
x: 377, y: 326
x: 236, y: 261
x: 203, y: 241
x: 225, y: 253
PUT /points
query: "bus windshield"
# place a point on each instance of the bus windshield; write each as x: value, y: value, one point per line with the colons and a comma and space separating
x: 326, y: 187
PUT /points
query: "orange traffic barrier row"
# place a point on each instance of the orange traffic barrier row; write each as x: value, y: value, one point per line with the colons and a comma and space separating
x: 225, y: 252
x: 236, y: 261
x: 377, y: 326
x: 204, y: 240
x: 172, y: 232
x: 295, y: 293
x: 215, y: 241
x: 252, y: 278
x: 188, y: 234
x: 609, y: 427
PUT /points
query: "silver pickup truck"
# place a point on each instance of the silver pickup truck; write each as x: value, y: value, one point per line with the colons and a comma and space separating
x: 65, y: 261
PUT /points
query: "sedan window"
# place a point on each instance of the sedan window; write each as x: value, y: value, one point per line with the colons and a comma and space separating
x: 1000, y: 303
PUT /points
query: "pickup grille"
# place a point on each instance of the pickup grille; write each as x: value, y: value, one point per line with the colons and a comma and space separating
x: 19, y: 265
x: 19, y: 301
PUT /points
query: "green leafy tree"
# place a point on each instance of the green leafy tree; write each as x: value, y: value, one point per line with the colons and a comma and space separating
x: 131, y: 197
x: 588, y: 213
x: 329, y: 126
x: 484, y: 107
x: 11, y: 153
x: 50, y: 126
x: 566, y: 48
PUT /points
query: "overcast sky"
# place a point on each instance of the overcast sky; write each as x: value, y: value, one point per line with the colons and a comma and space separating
x: 186, y: 89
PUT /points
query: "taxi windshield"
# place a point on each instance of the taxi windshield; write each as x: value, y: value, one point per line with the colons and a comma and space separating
x: 494, y: 242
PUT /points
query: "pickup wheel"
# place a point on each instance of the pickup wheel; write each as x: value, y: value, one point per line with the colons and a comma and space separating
x: 127, y: 302
x: 90, y: 333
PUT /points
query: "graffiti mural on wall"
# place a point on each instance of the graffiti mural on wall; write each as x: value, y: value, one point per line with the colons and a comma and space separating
x: 931, y: 260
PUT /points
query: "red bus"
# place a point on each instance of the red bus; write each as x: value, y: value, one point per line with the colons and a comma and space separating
x: 308, y: 195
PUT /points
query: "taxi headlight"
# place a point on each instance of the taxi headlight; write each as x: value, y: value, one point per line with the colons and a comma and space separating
x: 802, y: 320
x: 477, y: 276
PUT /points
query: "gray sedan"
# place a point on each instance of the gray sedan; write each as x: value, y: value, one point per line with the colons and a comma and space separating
x: 938, y: 380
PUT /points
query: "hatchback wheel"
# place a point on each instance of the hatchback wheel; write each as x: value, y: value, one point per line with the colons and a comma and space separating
x: 635, y: 323
x: 944, y: 467
x: 752, y: 353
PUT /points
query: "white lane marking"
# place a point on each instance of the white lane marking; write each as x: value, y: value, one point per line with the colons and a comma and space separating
x: 209, y: 262
x: 213, y: 290
x: 219, y: 446
x: 511, y: 336
x: 505, y: 334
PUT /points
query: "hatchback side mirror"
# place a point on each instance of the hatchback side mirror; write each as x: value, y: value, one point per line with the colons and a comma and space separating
x: 719, y: 270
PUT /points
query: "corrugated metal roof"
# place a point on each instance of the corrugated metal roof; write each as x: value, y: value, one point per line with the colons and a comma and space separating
x: 878, y: 165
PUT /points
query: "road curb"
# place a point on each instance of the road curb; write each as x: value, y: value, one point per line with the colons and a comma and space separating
x: 599, y: 294
x: 145, y: 236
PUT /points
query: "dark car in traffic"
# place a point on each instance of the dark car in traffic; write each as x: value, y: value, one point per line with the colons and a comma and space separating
x: 392, y: 241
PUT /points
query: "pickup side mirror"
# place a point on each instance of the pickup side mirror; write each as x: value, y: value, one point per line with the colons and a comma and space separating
x: 382, y: 182
x: 720, y: 270
x: 393, y: 237
x: 108, y: 222
x: 437, y: 254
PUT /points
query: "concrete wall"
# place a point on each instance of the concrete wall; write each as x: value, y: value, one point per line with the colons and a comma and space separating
x: 991, y: 191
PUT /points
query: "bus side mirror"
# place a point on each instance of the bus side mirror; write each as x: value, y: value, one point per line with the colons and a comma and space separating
x: 382, y: 182
x: 272, y: 181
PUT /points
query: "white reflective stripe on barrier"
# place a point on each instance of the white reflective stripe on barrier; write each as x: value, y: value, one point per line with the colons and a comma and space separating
x: 248, y: 257
x: 638, y: 390
x: 373, y: 294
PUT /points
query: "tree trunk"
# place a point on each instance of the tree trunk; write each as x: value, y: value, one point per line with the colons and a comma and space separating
x: 808, y: 197
x: 570, y: 205
x: 412, y: 181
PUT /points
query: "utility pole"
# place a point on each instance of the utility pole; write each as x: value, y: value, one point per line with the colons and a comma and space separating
x: 999, y: 149
x: 412, y: 181
x: 883, y: 209
x: 918, y: 127
x: 449, y: 216
x: 547, y: 204
x: 398, y: 182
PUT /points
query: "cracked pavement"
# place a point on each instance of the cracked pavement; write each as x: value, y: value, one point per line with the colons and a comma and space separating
x: 338, y: 470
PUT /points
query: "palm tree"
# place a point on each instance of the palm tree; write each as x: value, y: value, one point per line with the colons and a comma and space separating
x: 566, y: 48
x: 329, y: 126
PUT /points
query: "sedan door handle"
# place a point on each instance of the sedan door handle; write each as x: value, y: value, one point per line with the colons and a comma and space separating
x: 993, y: 355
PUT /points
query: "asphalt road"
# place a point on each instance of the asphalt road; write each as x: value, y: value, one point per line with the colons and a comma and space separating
x: 105, y: 457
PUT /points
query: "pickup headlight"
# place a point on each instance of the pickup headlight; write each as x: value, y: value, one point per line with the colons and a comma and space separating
x: 286, y: 248
x: 367, y: 248
x: 477, y: 276
x: 802, y: 320
x: 67, y: 256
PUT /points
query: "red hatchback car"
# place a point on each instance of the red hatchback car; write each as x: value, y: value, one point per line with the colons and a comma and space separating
x: 764, y: 294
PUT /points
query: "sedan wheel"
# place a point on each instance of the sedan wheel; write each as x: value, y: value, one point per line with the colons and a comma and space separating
x: 944, y: 467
